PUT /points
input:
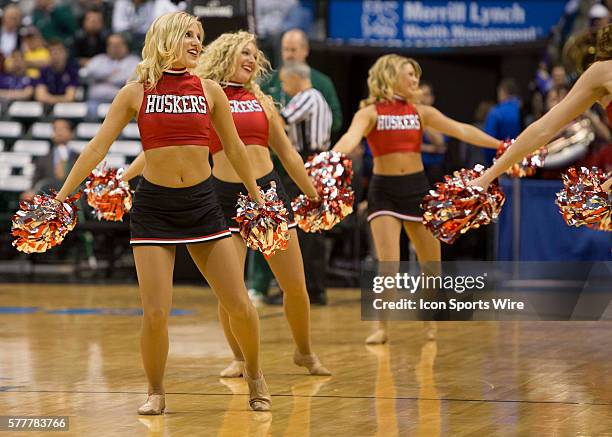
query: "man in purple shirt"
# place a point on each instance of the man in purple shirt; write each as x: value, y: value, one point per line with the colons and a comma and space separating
x: 14, y: 83
x: 58, y: 82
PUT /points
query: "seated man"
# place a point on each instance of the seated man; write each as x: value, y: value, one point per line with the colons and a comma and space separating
x: 136, y: 16
x: 10, y: 22
x: 14, y: 82
x: 91, y: 39
x: 106, y: 73
x: 51, y: 170
x: 58, y: 82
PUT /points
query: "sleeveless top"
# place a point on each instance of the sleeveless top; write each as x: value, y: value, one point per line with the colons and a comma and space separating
x: 249, y: 117
x: 174, y: 113
x: 398, y: 128
x: 609, y: 109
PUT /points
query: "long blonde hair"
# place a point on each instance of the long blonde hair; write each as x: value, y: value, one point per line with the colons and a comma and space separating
x: 162, y: 47
x: 218, y: 62
x: 382, y: 77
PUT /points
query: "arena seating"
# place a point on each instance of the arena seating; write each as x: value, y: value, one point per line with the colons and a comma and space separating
x: 72, y: 111
x: 25, y: 110
x: 26, y: 131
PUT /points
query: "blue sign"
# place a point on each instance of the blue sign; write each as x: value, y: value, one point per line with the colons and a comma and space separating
x: 439, y: 24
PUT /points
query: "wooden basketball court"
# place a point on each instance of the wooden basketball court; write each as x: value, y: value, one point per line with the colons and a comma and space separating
x: 73, y: 350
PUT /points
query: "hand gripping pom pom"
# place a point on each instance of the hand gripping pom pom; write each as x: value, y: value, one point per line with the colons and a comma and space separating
x: 454, y: 207
x: 314, y: 216
x: 527, y: 166
x: 263, y: 227
x: 43, y: 222
x: 582, y: 201
x: 331, y: 173
x: 108, y: 195
x: 330, y: 169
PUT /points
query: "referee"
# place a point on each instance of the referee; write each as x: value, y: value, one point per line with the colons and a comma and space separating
x: 308, y: 120
x: 307, y: 114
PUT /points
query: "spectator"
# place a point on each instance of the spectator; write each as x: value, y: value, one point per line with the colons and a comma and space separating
x: 596, y: 154
x: 26, y: 7
x: 108, y: 72
x: 81, y: 7
x: 309, y: 120
x: 91, y: 39
x: 55, y: 21
x: 542, y: 82
x: 559, y: 76
x: 35, y: 53
x: 294, y: 47
x: 599, y: 16
x: 471, y: 155
x: 14, y: 82
x: 270, y: 16
x: 504, y: 120
x: 555, y: 95
x: 600, y: 128
x: 273, y: 17
x: 135, y: 16
x: 537, y: 108
x: 433, y: 147
x: 9, y: 30
x: 603, y: 136
x: 51, y: 170
x: 59, y: 81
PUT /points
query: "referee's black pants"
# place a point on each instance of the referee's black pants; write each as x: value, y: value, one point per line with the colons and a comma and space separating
x: 312, y: 245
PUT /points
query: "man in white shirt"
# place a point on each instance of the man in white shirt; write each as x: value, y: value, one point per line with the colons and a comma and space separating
x: 107, y: 72
x: 136, y: 16
x: 9, y: 30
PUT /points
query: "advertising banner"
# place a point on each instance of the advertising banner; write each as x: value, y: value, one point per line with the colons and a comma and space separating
x: 439, y: 24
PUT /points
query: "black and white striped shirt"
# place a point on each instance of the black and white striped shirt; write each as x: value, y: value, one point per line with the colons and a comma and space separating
x: 309, y: 121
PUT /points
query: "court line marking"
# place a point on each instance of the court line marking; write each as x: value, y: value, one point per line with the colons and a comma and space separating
x: 110, y: 311
x: 410, y: 398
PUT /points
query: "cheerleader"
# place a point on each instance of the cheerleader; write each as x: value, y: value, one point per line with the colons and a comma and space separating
x: 393, y: 126
x: 234, y: 61
x: 175, y: 203
x: 593, y: 86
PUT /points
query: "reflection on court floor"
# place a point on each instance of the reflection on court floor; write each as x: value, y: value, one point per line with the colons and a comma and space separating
x: 63, y: 354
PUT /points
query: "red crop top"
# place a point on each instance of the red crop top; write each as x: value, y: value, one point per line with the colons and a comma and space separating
x: 249, y: 117
x: 398, y: 128
x: 174, y: 113
x: 609, y: 109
